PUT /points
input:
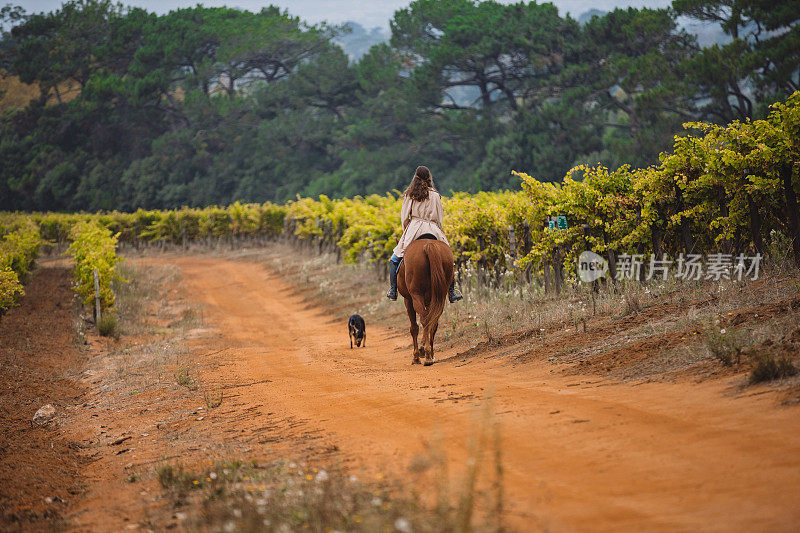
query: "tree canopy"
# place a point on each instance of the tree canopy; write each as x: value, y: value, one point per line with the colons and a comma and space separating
x: 206, y: 105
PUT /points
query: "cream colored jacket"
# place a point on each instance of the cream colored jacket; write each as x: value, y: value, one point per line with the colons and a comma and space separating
x: 426, y: 217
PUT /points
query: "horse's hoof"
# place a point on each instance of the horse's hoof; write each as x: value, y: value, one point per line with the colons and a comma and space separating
x: 429, y: 362
x: 416, y: 361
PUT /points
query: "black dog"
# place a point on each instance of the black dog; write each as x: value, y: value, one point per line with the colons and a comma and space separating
x: 357, y: 330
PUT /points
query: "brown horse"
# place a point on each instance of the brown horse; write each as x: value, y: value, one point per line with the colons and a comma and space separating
x: 423, y: 279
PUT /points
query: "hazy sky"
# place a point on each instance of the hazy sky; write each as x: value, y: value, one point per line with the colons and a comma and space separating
x: 369, y: 13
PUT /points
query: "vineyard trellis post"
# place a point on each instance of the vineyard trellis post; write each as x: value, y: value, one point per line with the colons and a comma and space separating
x: 481, y: 260
x: 183, y: 233
x: 496, y: 266
x: 612, y: 265
x: 96, y: 296
x: 527, y: 244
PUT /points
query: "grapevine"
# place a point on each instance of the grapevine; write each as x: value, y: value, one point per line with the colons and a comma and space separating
x: 726, y: 189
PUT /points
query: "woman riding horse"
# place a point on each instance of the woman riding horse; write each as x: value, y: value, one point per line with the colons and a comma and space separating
x: 421, y: 215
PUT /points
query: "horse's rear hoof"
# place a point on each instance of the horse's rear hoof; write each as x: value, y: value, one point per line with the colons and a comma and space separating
x: 429, y: 362
x: 416, y: 361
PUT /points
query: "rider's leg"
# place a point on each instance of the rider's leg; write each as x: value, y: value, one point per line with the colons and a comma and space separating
x: 454, y: 294
x: 394, y: 265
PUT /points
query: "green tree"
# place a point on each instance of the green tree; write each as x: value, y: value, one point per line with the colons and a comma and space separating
x: 759, y: 65
x: 630, y: 74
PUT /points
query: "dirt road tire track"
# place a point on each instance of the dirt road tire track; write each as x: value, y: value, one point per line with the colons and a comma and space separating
x: 579, y: 454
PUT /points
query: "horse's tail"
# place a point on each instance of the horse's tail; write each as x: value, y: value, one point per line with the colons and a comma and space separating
x: 439, y: 284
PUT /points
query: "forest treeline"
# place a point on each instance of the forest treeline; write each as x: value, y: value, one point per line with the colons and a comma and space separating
x: 206, y: 106
x: 729, y: 193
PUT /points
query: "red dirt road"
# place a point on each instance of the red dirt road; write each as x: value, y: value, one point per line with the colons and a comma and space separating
x: 579, y: 454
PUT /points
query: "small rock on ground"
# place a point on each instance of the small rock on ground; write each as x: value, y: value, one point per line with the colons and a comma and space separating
x: 45, y: 414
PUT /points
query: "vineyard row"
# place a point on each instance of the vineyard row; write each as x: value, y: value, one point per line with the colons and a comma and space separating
x: 729, y: 190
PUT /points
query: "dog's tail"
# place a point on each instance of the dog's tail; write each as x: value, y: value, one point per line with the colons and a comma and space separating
x: 439, y: 284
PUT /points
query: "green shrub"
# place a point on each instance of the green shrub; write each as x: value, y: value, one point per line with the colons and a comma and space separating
x: 768, y: 367
x: 184, y: 378
x: 94, y: 247
x: 10, y: 289
x: 213, y: 398
x: 725, y: 344
x: 108, y: 326
x: 18, y: 250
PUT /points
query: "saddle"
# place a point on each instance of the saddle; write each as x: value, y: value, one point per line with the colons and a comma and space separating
x: 427, y: 236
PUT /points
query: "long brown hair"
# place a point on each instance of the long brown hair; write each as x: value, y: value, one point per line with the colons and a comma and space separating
x: 420, y: 185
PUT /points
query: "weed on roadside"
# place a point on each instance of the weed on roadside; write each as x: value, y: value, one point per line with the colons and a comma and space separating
x: 80, y: 332
x: 632, y: 304
x: 213, y: 398
x: 288, y: 496
x: 235, y: 495
x: 108, y: 326
x: 725, y: 344
x: 184, y: 378
x: 176, y: 478
x: 767, y: 367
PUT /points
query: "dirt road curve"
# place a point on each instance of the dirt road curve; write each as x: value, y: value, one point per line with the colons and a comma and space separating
x: 579, y: 454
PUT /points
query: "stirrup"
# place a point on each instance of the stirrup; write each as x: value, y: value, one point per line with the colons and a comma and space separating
x: 392, y: 294
x: 454, y: 295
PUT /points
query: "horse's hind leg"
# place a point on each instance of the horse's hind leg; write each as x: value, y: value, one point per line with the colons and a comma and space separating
x: 412, y: 317
x: 421, y: 309
x: 427, y: 348
x: 429, y: 351
x: 428, y: 334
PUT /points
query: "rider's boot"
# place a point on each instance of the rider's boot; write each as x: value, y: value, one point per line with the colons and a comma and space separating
x: 454, y: 294
x: 392, y: 292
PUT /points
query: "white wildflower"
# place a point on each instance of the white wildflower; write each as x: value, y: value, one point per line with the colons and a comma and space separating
x: 402, y: 525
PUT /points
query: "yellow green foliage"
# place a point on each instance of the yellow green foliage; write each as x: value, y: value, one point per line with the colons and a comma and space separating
x: 10, y: 289
x: 723, y: 188
x: 19, y: 244
x: 236, y: 220
x: 94, y: 247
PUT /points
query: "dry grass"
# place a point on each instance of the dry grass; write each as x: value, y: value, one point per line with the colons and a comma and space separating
x: 109, y: 326
x: 288, y: 496
x: 140, y: 302
x: 213, y: 398
x: 15, y: 94
x: 183, y: 377
x: 149, y: 331
x: 767, y: 367
x: 674, y: 311
x: 725, y: 344
x: 284, y: 495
